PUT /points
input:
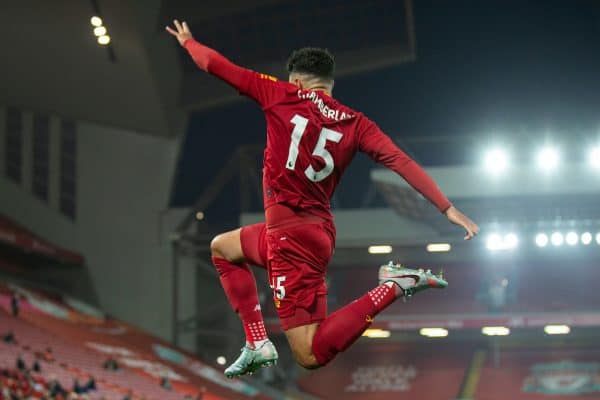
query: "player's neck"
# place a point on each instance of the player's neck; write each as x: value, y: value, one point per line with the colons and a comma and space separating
x: 318, y: 88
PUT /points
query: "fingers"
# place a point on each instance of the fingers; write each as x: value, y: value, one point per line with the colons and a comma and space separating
x: 469, y: 235
x: 458, y: 218
x: 472, y: 230
x: 170, y: 30
x: 178, y: 26
x: 186, y: 29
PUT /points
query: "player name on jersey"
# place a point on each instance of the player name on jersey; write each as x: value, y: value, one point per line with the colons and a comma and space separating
x: 323, y: 108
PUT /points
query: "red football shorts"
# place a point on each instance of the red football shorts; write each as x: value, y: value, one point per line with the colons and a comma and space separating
x: 254, y: 244
x: 296, y: 258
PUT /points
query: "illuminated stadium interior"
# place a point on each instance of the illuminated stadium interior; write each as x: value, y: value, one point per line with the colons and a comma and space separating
x: 121, y: 161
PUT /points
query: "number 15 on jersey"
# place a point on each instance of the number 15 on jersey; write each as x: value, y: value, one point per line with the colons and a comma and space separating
x: 319, y: 151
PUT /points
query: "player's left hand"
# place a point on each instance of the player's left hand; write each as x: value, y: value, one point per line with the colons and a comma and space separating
x: 460, y: 219
x: 182, y: 33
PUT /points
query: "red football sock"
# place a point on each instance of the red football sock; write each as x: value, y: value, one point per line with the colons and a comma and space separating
x: 346, y: 325
x: 240, y: 287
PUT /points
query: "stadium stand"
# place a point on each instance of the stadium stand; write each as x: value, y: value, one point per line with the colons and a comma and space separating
x: 402, y: 371
x: 71, y: 346
x: 536, y: 373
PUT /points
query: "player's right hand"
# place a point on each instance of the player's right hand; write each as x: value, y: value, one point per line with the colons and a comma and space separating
x: 460, y: 219
x: 182, y: 33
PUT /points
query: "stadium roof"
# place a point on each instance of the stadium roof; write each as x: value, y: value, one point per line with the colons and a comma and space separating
x: 142, y: 81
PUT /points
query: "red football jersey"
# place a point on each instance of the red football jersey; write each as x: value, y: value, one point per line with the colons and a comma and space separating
x: 311, y: 139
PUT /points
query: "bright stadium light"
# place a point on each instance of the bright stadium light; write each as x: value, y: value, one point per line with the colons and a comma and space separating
x: 438, y: 247
x: 494, y: 242
x: 557, y: 239
x: 495, y: 330
x: 594, y: 157
x: 221, y: 360
x: 541, y: 240
x: 385, y: 249
x: 434, y: 332
x: 548, y: 159
x: 199, y: 215
x: 377, y: 333
x: 557, y: 329
x: 99, y: 31
x: 496, y: 161
x: 572, y: 238
x: 511, y: 241
x: 497, y: 242
x: 96, y: 21
x: 104, y: 40
x: 598, y: 237
x: 586, y: 238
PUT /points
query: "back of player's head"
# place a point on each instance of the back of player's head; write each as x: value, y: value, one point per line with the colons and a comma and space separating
x: 313, y: 61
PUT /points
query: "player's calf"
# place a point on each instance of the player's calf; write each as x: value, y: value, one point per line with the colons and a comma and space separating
x: 239, y: 285
x: 343, y: 327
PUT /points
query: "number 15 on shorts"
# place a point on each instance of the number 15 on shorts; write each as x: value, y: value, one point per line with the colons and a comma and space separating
x: 277, y: 286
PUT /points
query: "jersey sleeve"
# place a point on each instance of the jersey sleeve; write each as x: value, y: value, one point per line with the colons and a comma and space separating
x: 382, y: 149
x: 262, y: 88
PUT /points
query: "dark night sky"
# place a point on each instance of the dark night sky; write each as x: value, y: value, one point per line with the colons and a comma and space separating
x: 509, y: 69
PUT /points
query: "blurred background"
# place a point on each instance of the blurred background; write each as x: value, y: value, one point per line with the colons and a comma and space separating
x: 120, y: 161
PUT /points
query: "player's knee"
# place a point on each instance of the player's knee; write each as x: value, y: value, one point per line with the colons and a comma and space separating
x: 304, y: 355
x: 217, y: 245
x: 307, y: 361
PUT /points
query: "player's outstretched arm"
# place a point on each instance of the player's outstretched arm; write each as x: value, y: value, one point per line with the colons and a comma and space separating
x: 381, y: 149
x: 259, y: 87
x: 208, y: 59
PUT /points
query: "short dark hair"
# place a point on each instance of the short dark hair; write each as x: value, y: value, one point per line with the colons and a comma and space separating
x: 314, y: 61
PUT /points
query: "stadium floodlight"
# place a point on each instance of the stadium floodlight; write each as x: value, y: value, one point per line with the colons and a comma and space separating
x: 497, y: 242
x: 380, y: 249
x: 494, y: 242
x: 377, y: 333
x: 221, y: 360
x: 572, y: 238
x: 496, y: 161
x: 586, y: 238
x: 594, y: 157
x: 434, y: 332
x: 438, y: 247
x: 511, y: 241
x: 557, y: 329
x: 495, y: 331
x: 99, y: 31
x: 96, y: 21
x: 104, y: 40
x: 199, y: 215
x: 548, y: 159
x: 598, y: 237
x: 557, y: 239
x: 541, y: 240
